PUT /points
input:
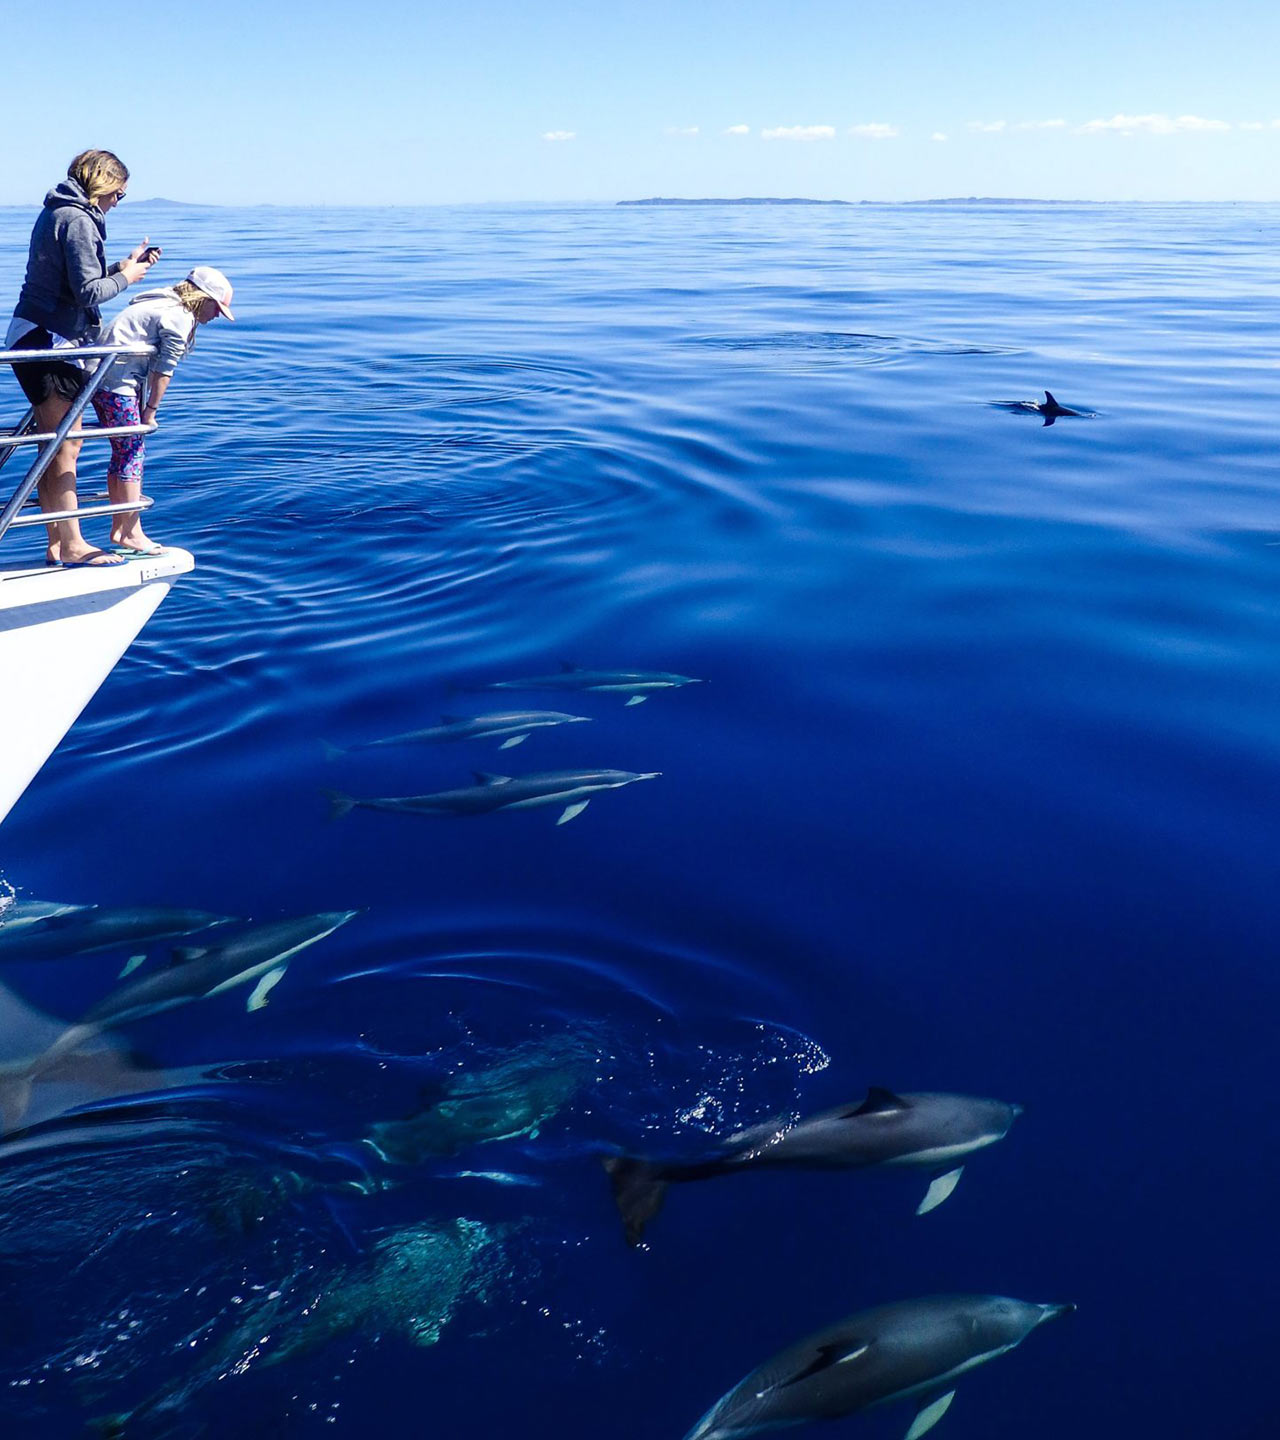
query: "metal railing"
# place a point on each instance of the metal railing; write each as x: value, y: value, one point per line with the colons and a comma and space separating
x: 24, y: 433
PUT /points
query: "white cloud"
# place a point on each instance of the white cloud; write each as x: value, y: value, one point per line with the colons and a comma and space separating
x: 988, y: 127
x: 799, y: 132
x: 559, y: 135
x: 738, y: 130
x: 1252, y: 125
x: 1152, y: 125
x: 938, y: 135
x: 686, y: 131
x: 1041, y: 125
x: 874, y: 131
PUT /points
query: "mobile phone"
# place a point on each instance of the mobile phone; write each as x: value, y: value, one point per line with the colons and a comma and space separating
x: 150, y: 255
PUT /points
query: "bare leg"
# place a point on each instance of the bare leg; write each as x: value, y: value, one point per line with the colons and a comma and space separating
x: 58, y: 485
x: 126, y: 530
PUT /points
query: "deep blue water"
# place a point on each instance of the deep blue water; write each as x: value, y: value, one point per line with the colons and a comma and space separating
x: 979, y: 794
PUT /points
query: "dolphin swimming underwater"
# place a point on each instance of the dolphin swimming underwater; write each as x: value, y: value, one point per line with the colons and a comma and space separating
x: 638, y: 684
x: 260, y: 953
x: 911, y: 1349
x: 1049, y: 408
x: 571, y: 788
x: 885, y: 1131
x: 46, y: 930
x: 511, y: 727
x: 507, y: 1100
x: 410, y: 1284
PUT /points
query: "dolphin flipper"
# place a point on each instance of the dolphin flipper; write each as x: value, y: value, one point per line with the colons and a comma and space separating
x: 130, y: 965
x: 514, y: 740
x: 637, y: 700
x: 571, y: 810
x: 940, y: 1188
x: 264, y: 987
x: 930, y: 1415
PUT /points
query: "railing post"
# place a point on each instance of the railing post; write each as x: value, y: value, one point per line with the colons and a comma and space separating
x: 26, y: 424
x: 45, y: 458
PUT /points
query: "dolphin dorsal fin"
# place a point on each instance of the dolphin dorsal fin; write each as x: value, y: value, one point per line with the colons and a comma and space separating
x: 826, y: 1357
x: 1050, y: 401
x: 484, y: 778
x: 879, y: 1101
x: 64, y: 919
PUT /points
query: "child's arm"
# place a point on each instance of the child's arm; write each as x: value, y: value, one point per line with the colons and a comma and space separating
x: 157, y: 385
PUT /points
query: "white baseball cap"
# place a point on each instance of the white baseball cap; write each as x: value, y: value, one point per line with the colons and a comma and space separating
x: 214, y: 284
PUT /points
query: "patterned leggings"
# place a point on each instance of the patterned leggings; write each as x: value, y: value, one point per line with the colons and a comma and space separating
x: 126, y: 450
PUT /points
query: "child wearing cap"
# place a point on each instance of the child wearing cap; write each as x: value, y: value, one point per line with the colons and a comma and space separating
x: 169, y: 320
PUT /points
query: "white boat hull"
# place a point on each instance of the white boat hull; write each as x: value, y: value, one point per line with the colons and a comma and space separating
x: 61, y: 634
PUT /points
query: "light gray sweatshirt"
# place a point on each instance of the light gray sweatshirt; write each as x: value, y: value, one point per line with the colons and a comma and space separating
x: 155, y: 317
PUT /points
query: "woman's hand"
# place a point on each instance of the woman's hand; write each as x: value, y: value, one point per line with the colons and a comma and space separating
x: 139, y: 261
x: 147, y: 415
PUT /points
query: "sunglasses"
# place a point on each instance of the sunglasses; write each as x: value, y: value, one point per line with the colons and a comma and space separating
x: 118, y: 195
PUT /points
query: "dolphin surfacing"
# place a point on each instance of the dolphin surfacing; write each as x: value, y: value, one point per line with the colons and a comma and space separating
x: 931, y: 1132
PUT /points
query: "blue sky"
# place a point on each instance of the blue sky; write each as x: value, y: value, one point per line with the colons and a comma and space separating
x: 391, y: 102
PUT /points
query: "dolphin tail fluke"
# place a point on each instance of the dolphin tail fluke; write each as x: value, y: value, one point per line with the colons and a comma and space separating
x: 638, y: 1191
x: 110, y: 1427
x: 15, y: 1097
x: 339, y: 804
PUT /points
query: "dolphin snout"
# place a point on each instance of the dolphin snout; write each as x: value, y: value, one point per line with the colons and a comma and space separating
x: 1016, y: 1110
x: 1051, y: 1312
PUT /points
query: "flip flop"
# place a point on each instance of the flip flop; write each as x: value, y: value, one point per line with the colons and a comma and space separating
x: 94, y: 560
x: 130, y: 551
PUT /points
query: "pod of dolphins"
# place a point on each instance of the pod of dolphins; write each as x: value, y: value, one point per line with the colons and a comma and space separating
x: 912, y: 1349
x: 571, y: 790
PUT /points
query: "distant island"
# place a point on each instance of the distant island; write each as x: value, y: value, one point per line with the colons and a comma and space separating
x: 170, y: 204
x: 745, y: 200
x: 776, y: 200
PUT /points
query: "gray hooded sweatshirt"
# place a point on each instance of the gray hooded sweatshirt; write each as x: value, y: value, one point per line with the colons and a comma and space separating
x: 67, y: 274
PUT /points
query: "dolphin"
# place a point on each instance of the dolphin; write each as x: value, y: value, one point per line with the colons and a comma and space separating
x: 913, y: 1349
x: 18, y: 915
x: 505, y: 1101
x: 885, y: 1131
x: 410, y: 1284
x: 511, y: 727
x: 638, y: 684
x: 1049, y: 408
x: 261, y: 953
x: 46, y: 930
x: 571, y: 788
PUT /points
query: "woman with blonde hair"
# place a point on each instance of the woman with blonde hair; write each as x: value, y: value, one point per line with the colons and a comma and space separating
x: 167, y: 319
x: 67, y: 280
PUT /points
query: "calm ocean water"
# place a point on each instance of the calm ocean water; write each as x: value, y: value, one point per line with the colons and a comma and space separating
x: 979, y: 794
